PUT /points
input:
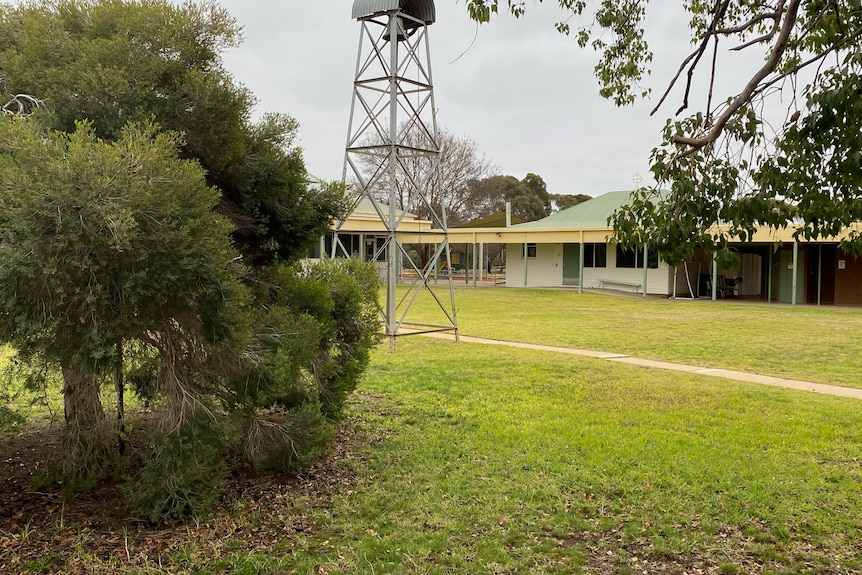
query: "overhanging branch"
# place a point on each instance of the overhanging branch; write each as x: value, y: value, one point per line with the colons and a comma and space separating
x: 788, y: 22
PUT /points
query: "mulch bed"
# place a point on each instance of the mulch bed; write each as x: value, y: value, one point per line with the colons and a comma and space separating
x: 43, y: 532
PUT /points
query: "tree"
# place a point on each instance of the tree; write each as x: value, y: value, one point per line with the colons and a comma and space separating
x: 104, y: 243
x: 459, y: 163
x: 111, y: 62
x: 564, y: 201
x: 534, y: 203
x: 728, y: 163
x: 529, y: 197
x: 169, y: 256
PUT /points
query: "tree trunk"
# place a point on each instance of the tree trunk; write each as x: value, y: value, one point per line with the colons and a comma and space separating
x: 81, y: 400
x: 87, y: 433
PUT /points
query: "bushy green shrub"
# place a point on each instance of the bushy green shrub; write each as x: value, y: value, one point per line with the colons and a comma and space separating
x: 353, y: 287
x: 185, y: 473
x: 288, y: 442
x: 312, y: 332
x: 275, y: 372
x: 313, y: 337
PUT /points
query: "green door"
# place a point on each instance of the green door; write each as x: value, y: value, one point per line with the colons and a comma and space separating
x: 785, y: 286
x: 571, y: 264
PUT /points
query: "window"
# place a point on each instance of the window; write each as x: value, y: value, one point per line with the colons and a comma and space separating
x: 348, y: 245
x: 634, y: 258
x: 595, y: 255
x: 627, y: 257
x: 530, y: 249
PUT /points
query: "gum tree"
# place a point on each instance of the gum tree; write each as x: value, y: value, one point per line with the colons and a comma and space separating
x: 725, y: 161
x: 529, y: 196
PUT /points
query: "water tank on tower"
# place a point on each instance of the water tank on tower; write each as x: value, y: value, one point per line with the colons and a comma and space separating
x: 392, y: 157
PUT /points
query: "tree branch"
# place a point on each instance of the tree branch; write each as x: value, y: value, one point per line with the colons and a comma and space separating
x: 857, y: 33
x: 695, y: 143
x: 21, y: 105
x: 672, y: 83
x: 775, y: 16
x: 708, y: 115
x: 720, y: 10
x: 776, y: 22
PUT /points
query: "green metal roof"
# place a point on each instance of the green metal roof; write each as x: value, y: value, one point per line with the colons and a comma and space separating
x: 593, y: 213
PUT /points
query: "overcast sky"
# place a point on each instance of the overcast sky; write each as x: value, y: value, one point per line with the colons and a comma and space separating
x: 523, y: 92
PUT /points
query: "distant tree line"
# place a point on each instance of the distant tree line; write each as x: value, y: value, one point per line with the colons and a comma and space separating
x: 468, y: 184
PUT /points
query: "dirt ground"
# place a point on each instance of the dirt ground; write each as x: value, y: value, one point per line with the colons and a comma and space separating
x: 43, y: 532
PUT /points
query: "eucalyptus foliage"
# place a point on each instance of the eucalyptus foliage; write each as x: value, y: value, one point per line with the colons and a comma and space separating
x: 529, y: 197
x: 726, y: 164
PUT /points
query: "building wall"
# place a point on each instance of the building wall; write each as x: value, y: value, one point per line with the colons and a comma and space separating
x: 544, y: 270
x: 657, y: 279
x: 848, y: 281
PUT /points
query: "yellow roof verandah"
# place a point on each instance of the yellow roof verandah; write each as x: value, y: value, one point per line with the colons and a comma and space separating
x: 511, y: 235
x: 516, y: 234
x: 580, y: 224
x: 364, y: 219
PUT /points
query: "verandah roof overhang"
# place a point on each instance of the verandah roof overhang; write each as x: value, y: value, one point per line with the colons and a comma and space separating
x: 514, y: 235
x: 510, y: 235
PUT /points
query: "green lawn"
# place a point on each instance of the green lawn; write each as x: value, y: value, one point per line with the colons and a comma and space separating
x: 503, y: 461
x: 822, y: 345
x: 493, y: 460
x: 490, y: 460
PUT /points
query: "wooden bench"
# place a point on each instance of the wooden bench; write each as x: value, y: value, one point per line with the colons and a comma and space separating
x: 634, y: 286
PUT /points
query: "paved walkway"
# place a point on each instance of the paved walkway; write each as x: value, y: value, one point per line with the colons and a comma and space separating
x: 621, y: 358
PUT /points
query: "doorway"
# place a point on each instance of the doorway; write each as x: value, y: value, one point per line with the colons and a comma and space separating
x: 785, y: 277
x: 571, y: 264
x: 821, y: 266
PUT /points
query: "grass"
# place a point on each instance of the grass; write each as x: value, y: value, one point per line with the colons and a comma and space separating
x: 822, y: 345
x: 503, y: 461
x: 24, y: 402
x: 491, y: 460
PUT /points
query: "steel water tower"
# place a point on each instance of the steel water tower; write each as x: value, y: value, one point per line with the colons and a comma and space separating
x: 392, y: 154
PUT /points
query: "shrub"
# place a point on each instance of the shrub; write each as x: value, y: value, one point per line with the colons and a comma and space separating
x: 353, y: 287
x: 288, y: 442
x: 185, y: 474
x: 313, y: 337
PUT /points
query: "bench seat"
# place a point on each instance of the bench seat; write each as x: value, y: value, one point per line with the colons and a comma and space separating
x: 634, y: 286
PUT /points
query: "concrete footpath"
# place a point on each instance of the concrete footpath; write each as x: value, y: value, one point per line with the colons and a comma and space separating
x: 713, y: 372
